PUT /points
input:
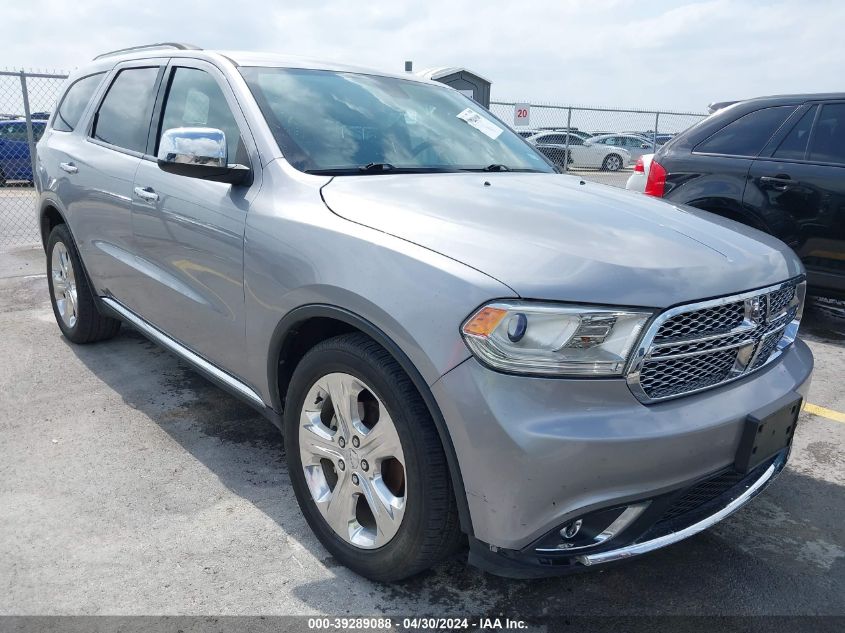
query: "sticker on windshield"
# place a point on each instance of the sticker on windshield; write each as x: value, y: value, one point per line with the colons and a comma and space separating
x: 480, y: 123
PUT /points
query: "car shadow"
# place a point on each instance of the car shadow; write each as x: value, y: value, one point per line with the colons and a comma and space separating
x: 751, y: 563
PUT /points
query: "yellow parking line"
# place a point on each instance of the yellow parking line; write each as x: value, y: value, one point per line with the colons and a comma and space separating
x: 824, y: 412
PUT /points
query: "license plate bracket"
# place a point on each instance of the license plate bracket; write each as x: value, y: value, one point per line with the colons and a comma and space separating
x: 767, y: 431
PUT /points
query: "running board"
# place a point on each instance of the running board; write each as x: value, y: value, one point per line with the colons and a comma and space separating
x: 180, y: 350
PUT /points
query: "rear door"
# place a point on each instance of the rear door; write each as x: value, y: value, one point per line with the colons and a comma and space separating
x: 798, y: 187
x: 190, y: 232
x: 96, y: 167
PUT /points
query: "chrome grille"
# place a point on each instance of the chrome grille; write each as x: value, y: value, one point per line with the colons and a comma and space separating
x: 721, y: 318
x: 702, y: 345
x: 779, y: 300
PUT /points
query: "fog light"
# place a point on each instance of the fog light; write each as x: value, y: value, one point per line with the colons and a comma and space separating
x: 570, y: 530
x: 590, y: 530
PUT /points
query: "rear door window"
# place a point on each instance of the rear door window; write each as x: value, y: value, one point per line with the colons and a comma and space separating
x: 75, y: 101
x: 794, y: 146
x: 123, y: 119
x: 827, y: 144
x: 16, y: 132
x: 747, y: 135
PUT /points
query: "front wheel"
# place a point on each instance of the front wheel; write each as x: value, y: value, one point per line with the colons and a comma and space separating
x: 613, y: 162
x: 366, y: 462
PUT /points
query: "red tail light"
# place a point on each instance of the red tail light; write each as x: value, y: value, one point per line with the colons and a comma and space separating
x: 638, y: 166
x: 656, y: 182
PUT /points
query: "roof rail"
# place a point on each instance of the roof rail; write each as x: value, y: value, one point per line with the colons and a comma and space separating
x: 144, y: 47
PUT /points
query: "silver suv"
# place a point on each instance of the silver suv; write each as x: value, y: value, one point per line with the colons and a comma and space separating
x: 459, y: 343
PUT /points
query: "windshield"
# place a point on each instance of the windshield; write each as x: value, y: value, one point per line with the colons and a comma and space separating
x: 338, y: 122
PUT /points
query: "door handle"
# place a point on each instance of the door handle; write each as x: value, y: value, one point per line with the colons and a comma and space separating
x: 779, y: 182
x: 146, y: 193
x: 69, y: 168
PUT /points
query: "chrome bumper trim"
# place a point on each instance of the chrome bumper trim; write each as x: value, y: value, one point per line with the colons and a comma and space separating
x: 695, y: 528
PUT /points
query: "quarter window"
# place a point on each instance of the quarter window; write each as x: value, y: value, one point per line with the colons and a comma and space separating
x: 195, y: 100
x: 124, y: 115
x: 828, y: 143
x: 794, y: 145
x: 75, y: 101
x: 747, y: 135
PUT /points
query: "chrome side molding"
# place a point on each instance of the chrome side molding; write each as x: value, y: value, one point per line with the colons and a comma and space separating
x: 180, y: 350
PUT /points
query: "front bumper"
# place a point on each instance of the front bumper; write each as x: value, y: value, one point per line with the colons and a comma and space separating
x: 536, y: 453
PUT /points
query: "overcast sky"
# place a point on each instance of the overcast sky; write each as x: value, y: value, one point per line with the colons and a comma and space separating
x: 643, y: 53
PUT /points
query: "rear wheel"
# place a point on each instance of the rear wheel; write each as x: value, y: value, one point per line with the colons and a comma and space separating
x: 366, y: 462
x: 613, y: 162
x: 70, y: 295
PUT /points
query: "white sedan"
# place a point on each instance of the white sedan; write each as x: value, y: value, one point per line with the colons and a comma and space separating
x: 581, y: 153
x: 638, y: 179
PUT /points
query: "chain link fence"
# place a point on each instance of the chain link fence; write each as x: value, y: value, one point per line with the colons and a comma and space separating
x: 600, y: 144
x: 26, y: 101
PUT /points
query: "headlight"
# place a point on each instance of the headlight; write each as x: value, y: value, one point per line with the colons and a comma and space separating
x: 550, y: 339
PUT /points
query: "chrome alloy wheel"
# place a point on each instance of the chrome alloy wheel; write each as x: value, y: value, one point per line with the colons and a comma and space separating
x: 353, y: 461
x: 613, y: 163
x: 64, y: 284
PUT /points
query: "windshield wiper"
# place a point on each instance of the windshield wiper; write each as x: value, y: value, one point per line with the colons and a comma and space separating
x: 376, y: 167
x: 500, y: 167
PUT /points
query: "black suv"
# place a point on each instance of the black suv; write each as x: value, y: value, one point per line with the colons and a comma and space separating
x: 774, y: 163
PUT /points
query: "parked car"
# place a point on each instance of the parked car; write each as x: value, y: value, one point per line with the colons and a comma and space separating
x: 636, y: 146
x: 460, y: 344
x: 774, y: 163
x: 526, y: 133
x: 582, y: 153
x: 15, y: 161
x: 639, y: 175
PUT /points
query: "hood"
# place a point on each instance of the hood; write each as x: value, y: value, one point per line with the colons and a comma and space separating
x: 556, y: 237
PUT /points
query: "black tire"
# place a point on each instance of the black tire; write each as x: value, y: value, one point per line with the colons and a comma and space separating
x: 90, y: 325
x: 606, y: 165
x: 429, y: 531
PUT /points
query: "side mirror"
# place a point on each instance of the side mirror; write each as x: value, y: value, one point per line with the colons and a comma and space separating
x: 199, y: 152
